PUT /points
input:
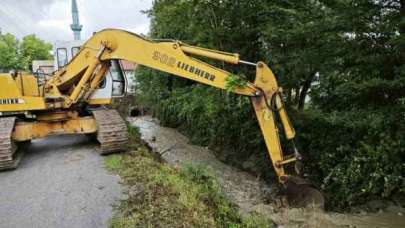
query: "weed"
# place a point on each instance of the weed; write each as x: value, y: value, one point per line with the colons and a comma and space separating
x: 161, y: 196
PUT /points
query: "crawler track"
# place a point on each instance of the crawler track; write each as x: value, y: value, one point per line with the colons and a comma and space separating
x: 112, y: 133
x: 9, y: 156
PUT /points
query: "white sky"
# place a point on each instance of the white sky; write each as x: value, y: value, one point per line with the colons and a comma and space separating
x: 51, y: 19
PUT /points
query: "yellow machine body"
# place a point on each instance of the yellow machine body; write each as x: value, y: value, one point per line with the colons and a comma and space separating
x: 25, y: 131
x: 20, y: 94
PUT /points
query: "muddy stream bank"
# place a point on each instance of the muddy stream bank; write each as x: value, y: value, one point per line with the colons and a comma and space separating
x: 249, y: 193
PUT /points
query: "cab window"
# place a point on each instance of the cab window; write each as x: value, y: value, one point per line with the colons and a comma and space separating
x: 75, y: 50
x: 117, y: 78
x: 61, y: 54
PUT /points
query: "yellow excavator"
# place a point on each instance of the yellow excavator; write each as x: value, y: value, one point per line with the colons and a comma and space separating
x: 68, y: 102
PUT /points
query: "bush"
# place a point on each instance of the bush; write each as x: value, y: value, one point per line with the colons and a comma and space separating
x: 354, y: 156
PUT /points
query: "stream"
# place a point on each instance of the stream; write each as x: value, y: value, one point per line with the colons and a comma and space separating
x: 248, y: 192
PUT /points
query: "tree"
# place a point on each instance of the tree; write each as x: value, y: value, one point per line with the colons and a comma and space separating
x: 33, y: 48
x: 298, y: 38
x: 18, y: 55
x: 8, y: 52
x: 354, y: 139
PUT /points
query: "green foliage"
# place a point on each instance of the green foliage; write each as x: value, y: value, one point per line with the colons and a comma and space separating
x: 354, y: 156
x: 161, y: 196
x: 15, y: 54
x: 113, y: 163
x: 234, y: 82
x: 8, y: 52
x: 299, y: 39
x: 354, y: 139
x: 33, y: 48
x: 351, y: 131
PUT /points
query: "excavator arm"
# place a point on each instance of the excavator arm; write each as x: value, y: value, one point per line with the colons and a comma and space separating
x: 85, y: 72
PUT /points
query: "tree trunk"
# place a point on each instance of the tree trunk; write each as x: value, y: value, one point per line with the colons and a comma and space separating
x: 289, y: 95
x: 303, y: 94
x: 297, y: 95
x: 402, y: 13
x: 402, y: 30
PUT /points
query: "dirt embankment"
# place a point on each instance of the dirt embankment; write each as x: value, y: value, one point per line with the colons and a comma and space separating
x: 249, y: 193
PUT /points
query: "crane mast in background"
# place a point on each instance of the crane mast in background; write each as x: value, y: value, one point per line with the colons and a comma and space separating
x: 75, y: 26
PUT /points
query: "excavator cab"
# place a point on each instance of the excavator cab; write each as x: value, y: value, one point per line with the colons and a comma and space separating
x: 114, y: 85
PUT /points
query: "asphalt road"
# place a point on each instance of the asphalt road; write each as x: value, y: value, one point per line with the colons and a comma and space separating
x: 60, y: 182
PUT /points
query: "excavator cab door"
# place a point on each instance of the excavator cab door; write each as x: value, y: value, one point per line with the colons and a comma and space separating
x: 119, y: 83
x: 114, y: 85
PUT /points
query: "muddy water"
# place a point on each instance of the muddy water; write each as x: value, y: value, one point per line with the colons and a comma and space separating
x: 249, y: 193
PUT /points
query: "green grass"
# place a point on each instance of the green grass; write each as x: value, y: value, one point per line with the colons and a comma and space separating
x: 162, y: 196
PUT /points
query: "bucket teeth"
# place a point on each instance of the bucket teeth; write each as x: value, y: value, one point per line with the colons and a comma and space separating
x: 112, y: 133
x: 9, y: 156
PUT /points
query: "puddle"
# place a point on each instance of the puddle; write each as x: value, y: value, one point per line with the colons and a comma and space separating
x: 249, y: 193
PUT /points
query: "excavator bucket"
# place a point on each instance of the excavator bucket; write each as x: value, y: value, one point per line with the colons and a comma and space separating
x: 268, y: 105
x: 300, y: 193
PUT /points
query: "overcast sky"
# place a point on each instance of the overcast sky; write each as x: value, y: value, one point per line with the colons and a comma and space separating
x: 51, y: 19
